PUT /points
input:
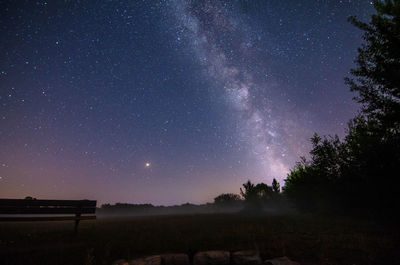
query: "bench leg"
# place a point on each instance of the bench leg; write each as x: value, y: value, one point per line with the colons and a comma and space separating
x: 77, y: 223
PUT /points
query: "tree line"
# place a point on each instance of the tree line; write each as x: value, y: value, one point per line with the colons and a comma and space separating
x: 253, y: 197
x: 359, y: 173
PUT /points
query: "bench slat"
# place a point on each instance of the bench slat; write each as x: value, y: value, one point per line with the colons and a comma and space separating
x: 41, y: 218
x: 46, y: 210
x: 21, y: 202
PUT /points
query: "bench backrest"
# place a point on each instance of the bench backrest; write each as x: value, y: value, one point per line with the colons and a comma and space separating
x: 22, y: 206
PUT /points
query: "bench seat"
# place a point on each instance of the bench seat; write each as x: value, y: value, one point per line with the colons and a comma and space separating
x: 18, y: 210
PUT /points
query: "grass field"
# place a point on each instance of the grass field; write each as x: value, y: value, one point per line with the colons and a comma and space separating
x: 306, y: 239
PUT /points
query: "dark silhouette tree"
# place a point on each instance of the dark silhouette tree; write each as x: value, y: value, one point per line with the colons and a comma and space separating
x: 306, y: 187
x: 251, y: 198
x: 227, y: 199
x: 276, y: 187
x: 373, y: 140
x: 248, y: 192
x: 258, y: 196
x: 264, y: 192
x: 343, y: 175
x: 376, y: 77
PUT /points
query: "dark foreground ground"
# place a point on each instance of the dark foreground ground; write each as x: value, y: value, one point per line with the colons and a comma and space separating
x: 306, y: 239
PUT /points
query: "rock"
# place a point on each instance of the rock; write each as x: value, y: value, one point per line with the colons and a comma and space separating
x: 175, y: 259
x: 150, y: 260
x: 280, y: 261
x: 120, y: 262
x: 213, y: 257
x: 246, y: 257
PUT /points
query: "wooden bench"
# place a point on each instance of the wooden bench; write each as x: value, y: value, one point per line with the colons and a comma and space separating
x: 18, y: 209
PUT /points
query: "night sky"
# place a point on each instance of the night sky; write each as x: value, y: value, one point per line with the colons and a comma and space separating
x: 167, y: 102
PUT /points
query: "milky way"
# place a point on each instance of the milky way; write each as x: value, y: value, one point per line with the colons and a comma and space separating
x: 226, y: 48
x: 167, y: 102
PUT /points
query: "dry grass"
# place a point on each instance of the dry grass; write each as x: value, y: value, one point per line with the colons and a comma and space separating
x: 307, y: 239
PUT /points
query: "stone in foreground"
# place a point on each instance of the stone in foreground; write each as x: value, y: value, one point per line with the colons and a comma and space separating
x: 151, y: 260
x: 120, y: 262
x: 246, y: 257
x: 175, y: 259
x: 213, y: 257
x: 280, y: 261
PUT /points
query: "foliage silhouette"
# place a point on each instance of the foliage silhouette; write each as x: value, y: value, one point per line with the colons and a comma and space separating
x: 227, y: 199
x: 376, y: 77
x: 345, y: 176
x: 276, y: 187
x: 257, y: 197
